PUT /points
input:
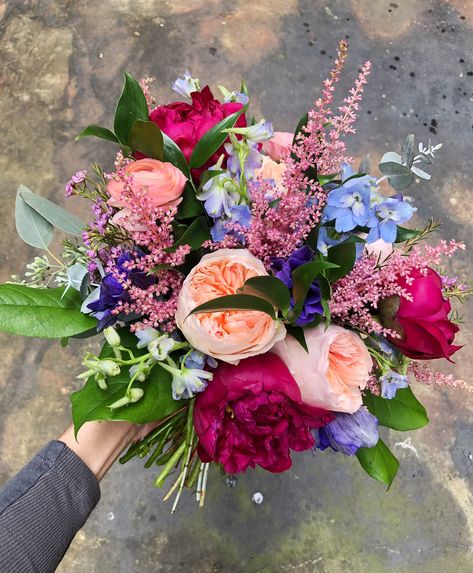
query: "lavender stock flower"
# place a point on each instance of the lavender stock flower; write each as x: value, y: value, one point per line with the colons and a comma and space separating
x: 349, y: 432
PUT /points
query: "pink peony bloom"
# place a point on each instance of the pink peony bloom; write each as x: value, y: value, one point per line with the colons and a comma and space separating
x: 231, y: 335
x: 164, y: 183
x: 252, y: 414
x: 185, y: 123
x: 334, y: 371
x: 279, y: 145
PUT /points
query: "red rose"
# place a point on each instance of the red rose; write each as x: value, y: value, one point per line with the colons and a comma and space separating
x: 186, y: 123
x: 252, y: 414
x: 423, y: 323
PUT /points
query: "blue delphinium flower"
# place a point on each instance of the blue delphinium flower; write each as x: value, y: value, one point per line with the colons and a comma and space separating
x: 186, y: 85
x: 349, y: 204
x: 252, y: 158
x: 240, y: 214
x: 328, y: 238
x: 282, y: 269
x: 391, y: 382
x: 196, y: 359
x: 349, y: 432
x: 187, y: 382
x: 220, y: 194
x: 386, y: 216
x: 111, y: 290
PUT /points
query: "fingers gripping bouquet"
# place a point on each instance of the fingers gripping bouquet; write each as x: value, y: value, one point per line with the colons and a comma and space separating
x: 258, y: 295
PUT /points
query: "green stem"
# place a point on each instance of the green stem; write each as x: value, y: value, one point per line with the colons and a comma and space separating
x: 159, y: 481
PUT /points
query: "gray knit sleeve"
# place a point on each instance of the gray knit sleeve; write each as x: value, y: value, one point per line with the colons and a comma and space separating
x: 42, y: 508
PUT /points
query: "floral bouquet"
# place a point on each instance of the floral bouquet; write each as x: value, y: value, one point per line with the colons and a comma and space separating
x: 256, y: 293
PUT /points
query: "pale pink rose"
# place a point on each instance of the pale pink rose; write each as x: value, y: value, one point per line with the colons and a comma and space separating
x: 278, y: 146
x: 271, y: 170
x: 163, y: 182
x: 334, y: 371
x: 380, y: 250
x: 232, y: 335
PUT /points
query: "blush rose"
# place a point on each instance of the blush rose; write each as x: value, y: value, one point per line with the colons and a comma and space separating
x: 333, y: 372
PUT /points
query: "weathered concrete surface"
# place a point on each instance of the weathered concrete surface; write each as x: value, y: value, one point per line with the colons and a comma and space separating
x: 60, y: 65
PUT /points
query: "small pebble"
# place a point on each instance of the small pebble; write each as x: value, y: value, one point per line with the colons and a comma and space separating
x: 231, y: 481
x: 257, y: 498
x: 110, y: 516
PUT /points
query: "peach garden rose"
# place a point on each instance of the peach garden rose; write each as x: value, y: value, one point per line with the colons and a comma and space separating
x: 164, y: 183
x: 231, y: 335
x: 334, y: 371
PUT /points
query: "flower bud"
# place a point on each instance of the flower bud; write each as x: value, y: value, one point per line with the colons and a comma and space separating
x: 136, y: 394
x: 112, y: 336
x: 108, y: 367
x: 100, y: 379
x: 120, y: 403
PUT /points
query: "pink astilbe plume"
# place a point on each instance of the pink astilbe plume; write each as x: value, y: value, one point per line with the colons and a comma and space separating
x: 150, y: 228
x: 314, y: 145
x: 280, y: 221
x: 423, y: 373
x: 357, y: 295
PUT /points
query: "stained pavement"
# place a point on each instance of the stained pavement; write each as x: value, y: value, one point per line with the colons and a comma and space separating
x: 60, y: 66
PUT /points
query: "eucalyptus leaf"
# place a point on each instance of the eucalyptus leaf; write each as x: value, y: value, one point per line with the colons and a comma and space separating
x: 131, y: 106
x: 145, y: 136
x: 379, y: 462
x: 212, y: 140
x: 97, y: 131
x: 196, y: 234
x: 365, y: 165
x: 236, y: 302
x: 33, y: 228
x: 407, y: 151
x: 56, y: 215
x: 271, y: 289
x: 76, y: 275
x: 42, y: 312
x: 403, y: 412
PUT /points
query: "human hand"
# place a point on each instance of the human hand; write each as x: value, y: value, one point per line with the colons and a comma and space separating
x: 99, y: 444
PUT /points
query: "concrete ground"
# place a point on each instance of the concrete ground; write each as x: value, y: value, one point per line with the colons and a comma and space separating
x: 60, y: 66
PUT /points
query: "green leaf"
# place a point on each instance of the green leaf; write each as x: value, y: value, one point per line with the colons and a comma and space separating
x: 303, y: 277
x: 208, y: 175
x: 324, y: 179
x: 190, y: 207
x: 132, y: 106
x: 174, y: 155
x: 302, y: 123
x: 379, y: 462
x: 56, y: 215
x: 92, y: 403
x: 97, y: 131
x: 42, y: 312
x: 30, y: 225
x: 404, y: 234
x: 196, y: 234
x: 271, y: 289
x: 145, y: 136
x: 344, y: 255
x: 298, y: 333
x: 403, y: 412
x: 236, y: 302
x: 212, y: 140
